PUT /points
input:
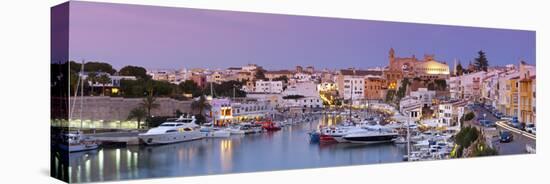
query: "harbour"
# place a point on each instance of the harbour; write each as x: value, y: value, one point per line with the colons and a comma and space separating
x: 289, y: 148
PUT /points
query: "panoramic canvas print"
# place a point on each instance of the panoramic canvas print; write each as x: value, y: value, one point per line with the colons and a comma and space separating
x: 145, y: 92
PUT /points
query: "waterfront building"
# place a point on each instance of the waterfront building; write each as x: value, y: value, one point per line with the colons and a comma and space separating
x: 504, y: 92
x: 454, y: 87
x: 450, y: 112
x: 302, y: 94
x: 424, y: 96
x: 469, y: 85
x: 375, y: 87
x: 268, y: 86
x: 351, y: 82
x: 244, y: 109
x: 526, y: 106
x: 410, y: 105
x: 221, y: 111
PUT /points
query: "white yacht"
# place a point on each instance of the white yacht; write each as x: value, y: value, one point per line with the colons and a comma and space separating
x: 76, y: 141
x: 372, y: 134
x: 179, y: 130
x: 338, y: 132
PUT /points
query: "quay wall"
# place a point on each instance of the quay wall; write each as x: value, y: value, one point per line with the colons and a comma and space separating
x: 117, y: 108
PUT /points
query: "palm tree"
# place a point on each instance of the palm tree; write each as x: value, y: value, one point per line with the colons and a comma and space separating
x: 139, y: 114
x: 103, y: 80
x: 149, y: 103
x: 92, y: 78
x: 201, y: 104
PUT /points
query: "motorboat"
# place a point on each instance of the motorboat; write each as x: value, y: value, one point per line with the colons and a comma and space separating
x: 235, y: 130
x: 314, y: 136
x: 270, y: 125
x: 371, y: 135
x: 77, y: 141
x: 214, y: 132
x: 338, y: 132
x: 173, y: 131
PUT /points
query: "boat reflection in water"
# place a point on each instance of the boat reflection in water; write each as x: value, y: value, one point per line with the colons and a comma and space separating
x: 285, y: 149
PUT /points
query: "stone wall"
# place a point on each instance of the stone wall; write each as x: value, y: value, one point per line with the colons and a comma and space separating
x: 117, y: 108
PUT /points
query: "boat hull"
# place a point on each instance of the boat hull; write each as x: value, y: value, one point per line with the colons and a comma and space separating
x: 79, y: 147
x: 153, y: 139
x: 370, y: 139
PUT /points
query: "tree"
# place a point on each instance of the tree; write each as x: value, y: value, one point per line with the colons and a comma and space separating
x: 201, y: 105
x: 103, y: 79
x: 283, y: 78
x: 260, y: 74
x: 189, y: 87
x: 469, y: 116
x: 459, y: 70
x: 92, y: 78
x: 149, y: 103
x: 138, y: 114
x: 481, y: 63
x: 136, y: 71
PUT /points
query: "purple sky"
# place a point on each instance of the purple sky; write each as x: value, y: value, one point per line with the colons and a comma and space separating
x: 161, y: 37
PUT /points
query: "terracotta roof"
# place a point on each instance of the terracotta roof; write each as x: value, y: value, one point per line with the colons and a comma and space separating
x: 279, y: 72
x: 360, y: 72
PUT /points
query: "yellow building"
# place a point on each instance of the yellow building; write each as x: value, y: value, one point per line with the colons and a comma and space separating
x: 512, y: 95
x: 526, y: 94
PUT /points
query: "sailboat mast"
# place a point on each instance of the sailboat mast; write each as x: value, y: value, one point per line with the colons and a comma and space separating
x: 351, y: 99
x: 81, y: 91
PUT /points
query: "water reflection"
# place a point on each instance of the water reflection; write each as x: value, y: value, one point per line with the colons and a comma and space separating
x: 286, y: 149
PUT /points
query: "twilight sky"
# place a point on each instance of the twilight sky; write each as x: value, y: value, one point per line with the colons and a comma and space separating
x: 173, y: 38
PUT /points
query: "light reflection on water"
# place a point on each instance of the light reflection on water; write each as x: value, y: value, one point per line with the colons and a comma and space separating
x: 286, y: 149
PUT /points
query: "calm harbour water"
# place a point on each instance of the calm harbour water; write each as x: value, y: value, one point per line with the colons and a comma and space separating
x: 285, y: 149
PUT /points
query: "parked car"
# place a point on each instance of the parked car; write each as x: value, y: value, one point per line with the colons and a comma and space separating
x: 499, y: 115
x: 506, y: 136
x: 515, y: 123
x: 530, y: 128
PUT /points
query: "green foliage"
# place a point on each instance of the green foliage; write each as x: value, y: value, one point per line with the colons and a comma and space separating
x: 440, y: 84
x: 390, y: 95
x: 431, y: 86
x: 226, y: 89
x: 149, y: 103
x: 201, y: 105
x: 469, y: 116
x: 178, y: 113
x: 201, y: 119
x: 481, y: 63
x: 138, y: 114
x: 136, y: 71
x: 103, y: 79
x: 466, y: 136
x: 189, y: 87
x: 260, y: 74
x: 481, y: 149
x: 459, y: 69
x: 281, y: 78
x: 402, y: 89
x: 92, y: 67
